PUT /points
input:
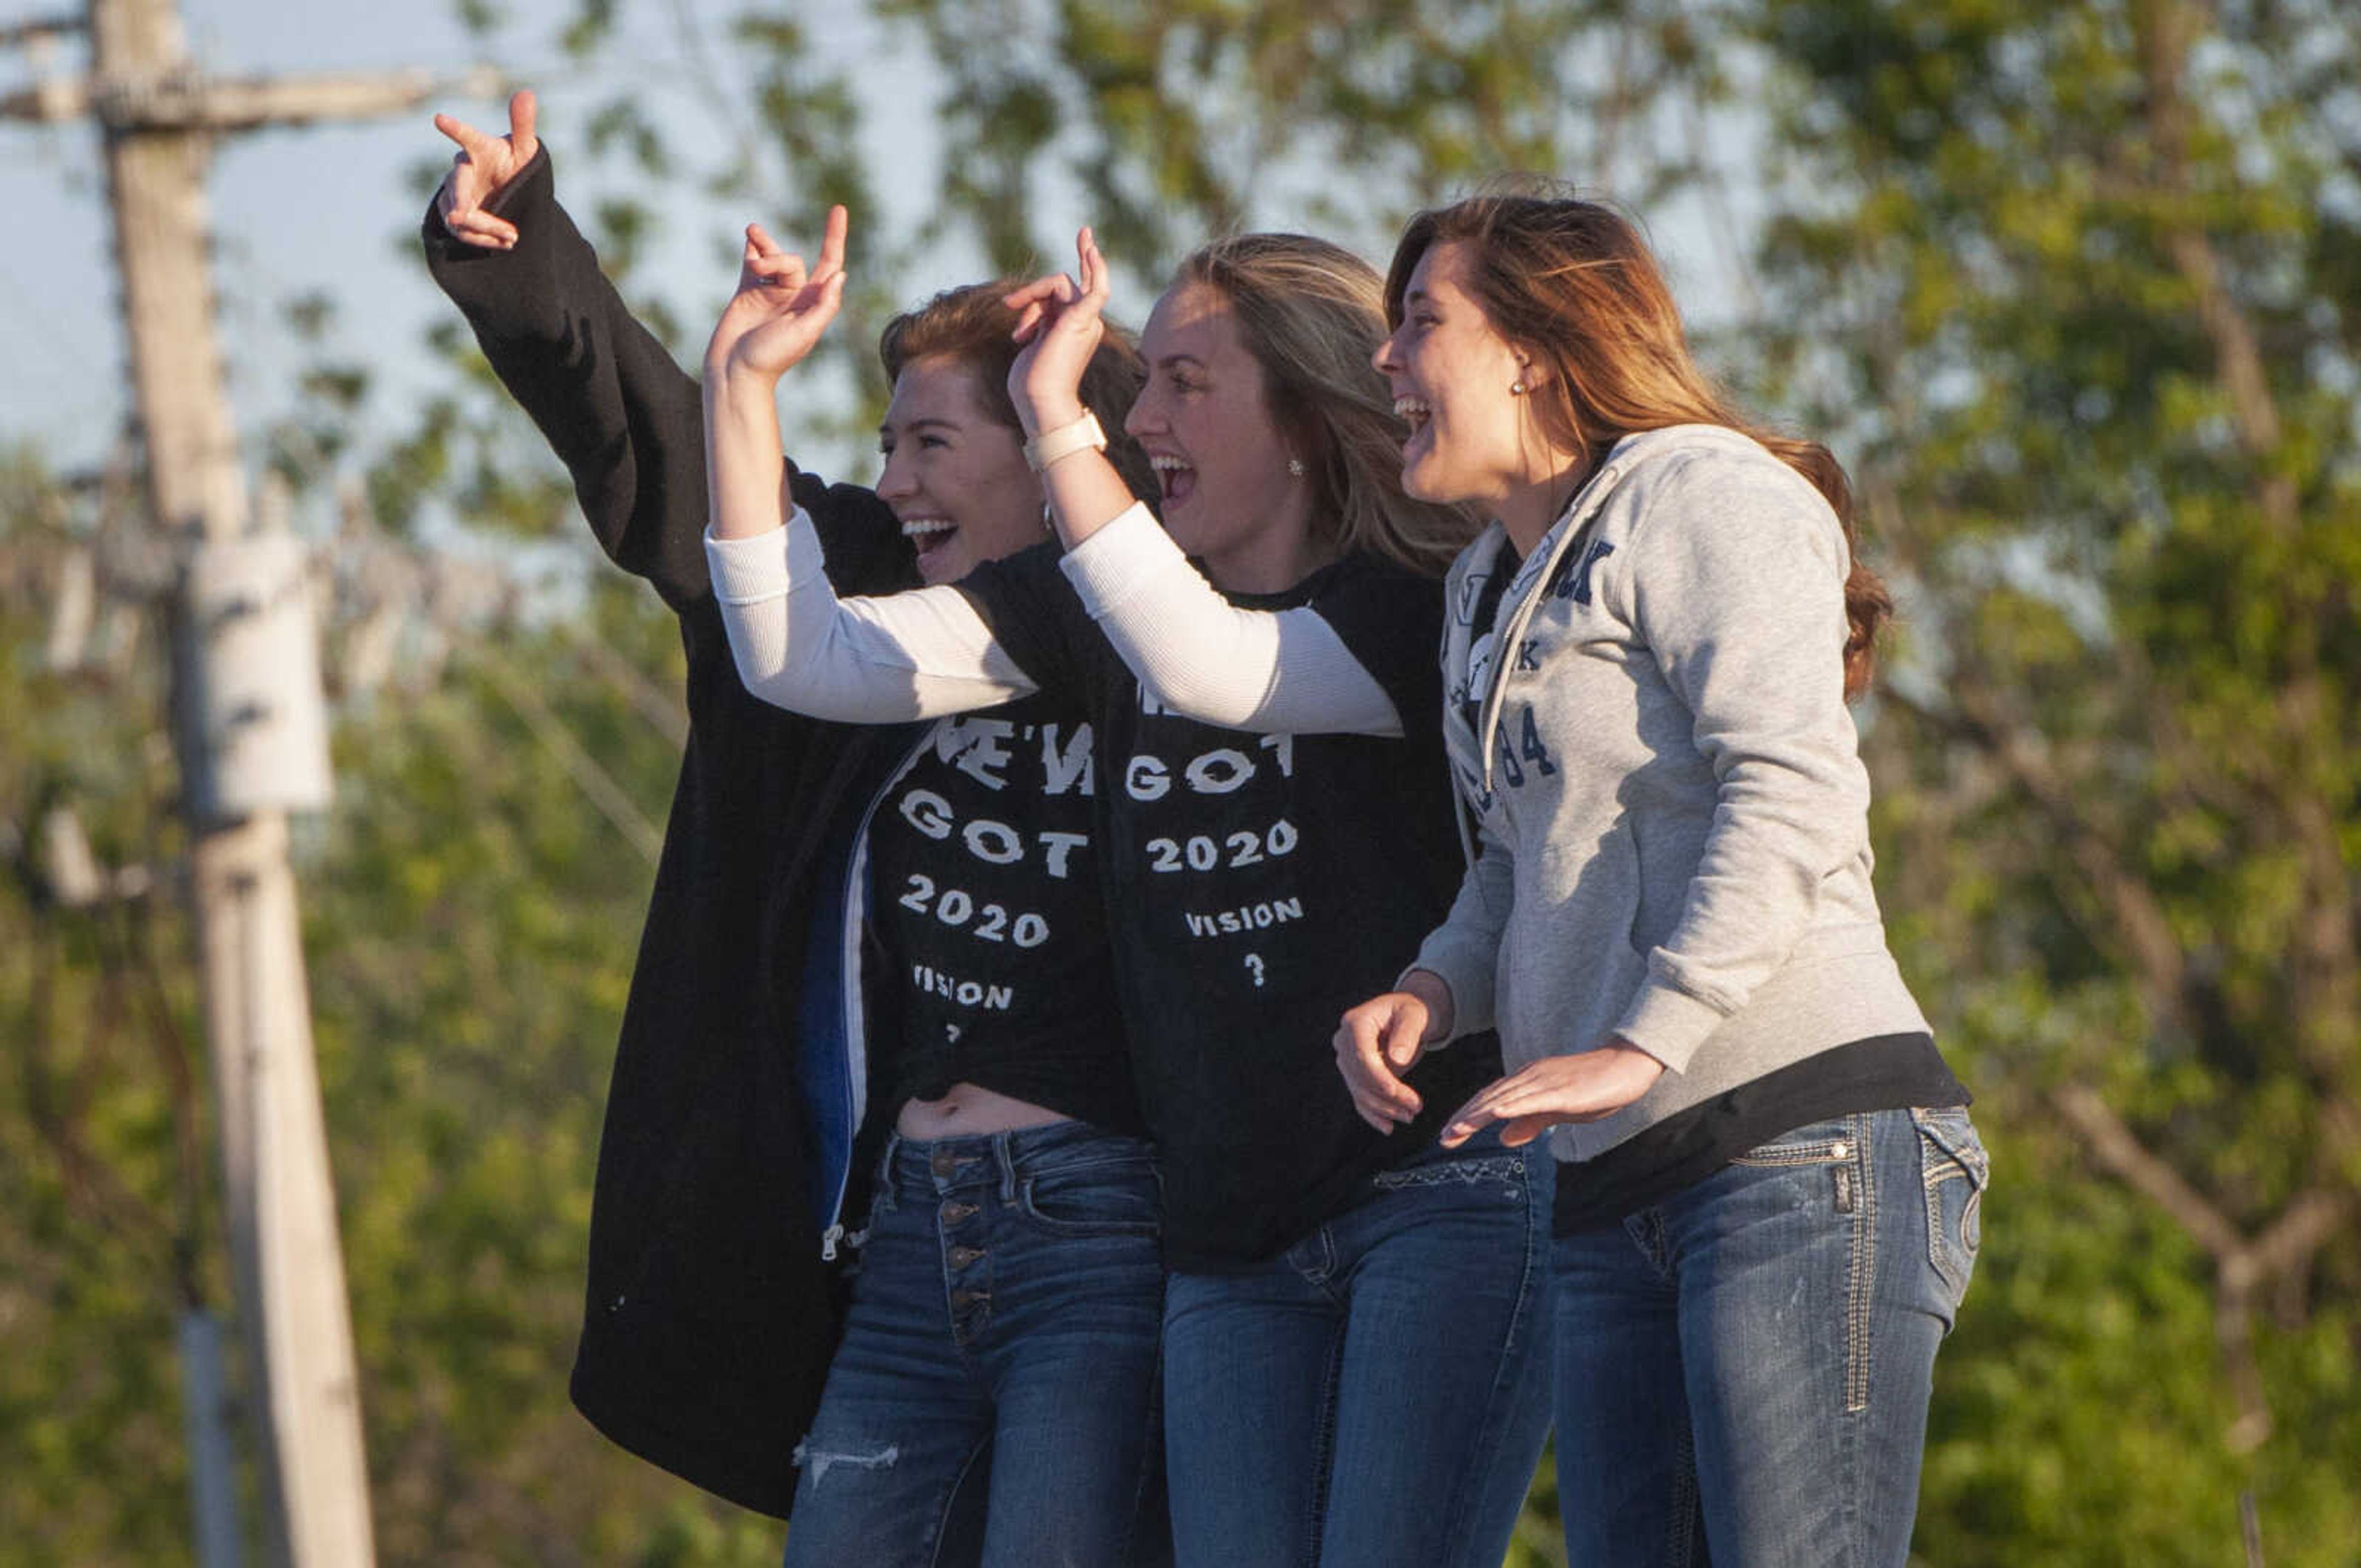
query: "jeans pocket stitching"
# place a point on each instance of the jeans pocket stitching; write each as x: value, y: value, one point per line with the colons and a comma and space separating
x: 1946, y: 1162
x: 1029, y: 1209
x: 1508, y: 1169
x: 1828, y: 1151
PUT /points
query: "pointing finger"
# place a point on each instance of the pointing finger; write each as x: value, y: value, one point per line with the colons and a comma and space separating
x: 831, y: 244
x: 523, y: 111
x: 474, y: 143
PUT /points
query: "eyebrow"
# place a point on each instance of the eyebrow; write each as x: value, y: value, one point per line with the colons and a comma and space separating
x: 1169, y: 360
x: 886, y: 427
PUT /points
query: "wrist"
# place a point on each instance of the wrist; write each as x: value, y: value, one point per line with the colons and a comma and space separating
x: 738, y: 381
x: 1049, y: 413
x: 1060, y: 441
x: 1434, y: 993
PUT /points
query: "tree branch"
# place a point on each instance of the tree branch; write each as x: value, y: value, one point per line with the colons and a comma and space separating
x: 2118, y: 1149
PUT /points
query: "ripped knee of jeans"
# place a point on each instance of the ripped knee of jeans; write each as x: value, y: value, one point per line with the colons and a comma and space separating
x: 820, y: 1460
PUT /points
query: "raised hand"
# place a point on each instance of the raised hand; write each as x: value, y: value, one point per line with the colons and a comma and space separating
x: 485, y: 164
x: 1586, y: 1087
x: 781, y: 309
x: 1058, y: 321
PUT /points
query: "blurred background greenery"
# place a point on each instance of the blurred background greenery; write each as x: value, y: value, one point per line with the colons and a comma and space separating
x: 2075, y: 291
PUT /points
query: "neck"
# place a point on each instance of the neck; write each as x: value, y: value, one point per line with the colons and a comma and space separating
x: 1529, y: 507
x: 1272, y: 559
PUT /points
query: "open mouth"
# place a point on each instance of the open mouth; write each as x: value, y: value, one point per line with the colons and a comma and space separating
x: 928, y: 535
x: 1415, y: 412
x: 1175, y: 477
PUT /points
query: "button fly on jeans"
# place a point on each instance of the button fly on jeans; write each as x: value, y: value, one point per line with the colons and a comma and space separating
x: 943, y: 1162
x: 953, y: 1212
x: 962, y: 1256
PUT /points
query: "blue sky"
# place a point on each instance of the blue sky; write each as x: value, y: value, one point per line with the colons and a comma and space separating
x: 328, y: 208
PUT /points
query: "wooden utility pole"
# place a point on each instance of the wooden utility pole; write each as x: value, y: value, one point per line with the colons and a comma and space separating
x: 241, y: 773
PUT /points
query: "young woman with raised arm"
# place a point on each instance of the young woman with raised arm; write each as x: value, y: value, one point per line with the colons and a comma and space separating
x: 1352, y: 1372
x: 896, y: 921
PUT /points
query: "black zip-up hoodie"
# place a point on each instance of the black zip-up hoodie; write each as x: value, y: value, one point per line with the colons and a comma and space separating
x: 712, y: 1314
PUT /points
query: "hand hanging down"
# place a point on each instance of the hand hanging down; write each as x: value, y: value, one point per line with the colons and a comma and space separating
x: 483, y: 169
x: 1380, y: 1041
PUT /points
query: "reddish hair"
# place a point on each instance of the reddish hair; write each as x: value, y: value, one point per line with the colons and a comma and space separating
x: 971, y: 326
x: 1573, y: 284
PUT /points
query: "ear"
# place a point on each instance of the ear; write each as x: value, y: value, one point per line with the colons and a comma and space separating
x: 1531, y: 368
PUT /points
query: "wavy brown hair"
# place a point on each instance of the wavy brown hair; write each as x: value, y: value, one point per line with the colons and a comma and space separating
x: 1573, y: 284
x: 1311, y: 314
x: 969, y: 324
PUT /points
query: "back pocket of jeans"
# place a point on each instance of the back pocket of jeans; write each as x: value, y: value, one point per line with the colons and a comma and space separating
x: 1954, y: 1170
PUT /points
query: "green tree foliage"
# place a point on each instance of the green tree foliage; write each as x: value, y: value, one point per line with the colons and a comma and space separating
x: 471, y: 906
x: 2077, y: 288
x: 2073, y: 291
x: 1179, y: 120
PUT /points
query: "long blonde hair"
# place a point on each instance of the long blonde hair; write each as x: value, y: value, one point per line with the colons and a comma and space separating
x: 1572, y: 283
x: 1311, y: 314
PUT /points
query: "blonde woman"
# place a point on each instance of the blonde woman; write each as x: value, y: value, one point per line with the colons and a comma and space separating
x: 1352, y: 1366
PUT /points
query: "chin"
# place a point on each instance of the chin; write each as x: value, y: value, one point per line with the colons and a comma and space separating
x: 1416, y: 486
x: 1182, y: 532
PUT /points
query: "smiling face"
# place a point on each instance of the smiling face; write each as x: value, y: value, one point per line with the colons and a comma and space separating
x: 955, y: 476
x: 1472, y: 438
x: 1204, y: 421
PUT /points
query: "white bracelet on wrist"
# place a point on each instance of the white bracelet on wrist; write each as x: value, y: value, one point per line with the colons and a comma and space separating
x: 1064, y: 442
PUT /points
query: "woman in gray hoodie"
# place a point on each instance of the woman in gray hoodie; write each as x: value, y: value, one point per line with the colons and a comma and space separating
x: 1768, y: 1185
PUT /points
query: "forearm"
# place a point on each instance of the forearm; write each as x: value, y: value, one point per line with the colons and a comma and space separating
x: 614, y: 406
x: 1462, y: 955
x: 1200, y: 655
x: 797, y: 646
x: 745, y: 464
x: 1748, y: 627
x: 1086, y: 494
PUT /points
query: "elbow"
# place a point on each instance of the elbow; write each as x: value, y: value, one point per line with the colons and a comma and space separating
x: 1206, y: 703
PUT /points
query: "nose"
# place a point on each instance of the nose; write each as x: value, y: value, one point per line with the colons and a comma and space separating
x: 895, y: 481
x: 1142, y: 416
x: 1384, y: 358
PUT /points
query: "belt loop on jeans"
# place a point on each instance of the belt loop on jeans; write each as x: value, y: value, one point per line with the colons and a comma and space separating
x: 1003, y: 1153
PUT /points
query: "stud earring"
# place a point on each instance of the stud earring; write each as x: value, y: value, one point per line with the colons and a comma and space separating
x: 1295, y: 467
x: 1516, y: 387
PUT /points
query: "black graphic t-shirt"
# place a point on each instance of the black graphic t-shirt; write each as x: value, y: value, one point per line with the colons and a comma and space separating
x: 989, y: 919
x: 1259, y: 885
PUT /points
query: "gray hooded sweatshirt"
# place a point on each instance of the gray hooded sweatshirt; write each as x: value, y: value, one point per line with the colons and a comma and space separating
x: 1667, y: 785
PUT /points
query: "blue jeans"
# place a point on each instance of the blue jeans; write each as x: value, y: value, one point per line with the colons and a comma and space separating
x: 1744, y: 1370
x: 1377, y: 1394
x: 994, y: 1401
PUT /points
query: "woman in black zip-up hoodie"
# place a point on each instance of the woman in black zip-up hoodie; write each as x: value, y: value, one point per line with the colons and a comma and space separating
x: 722, y: 1189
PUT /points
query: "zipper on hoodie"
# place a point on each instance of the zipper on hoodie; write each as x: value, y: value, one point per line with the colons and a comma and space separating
x: 856, y: 1023
x: 1580, y: 511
